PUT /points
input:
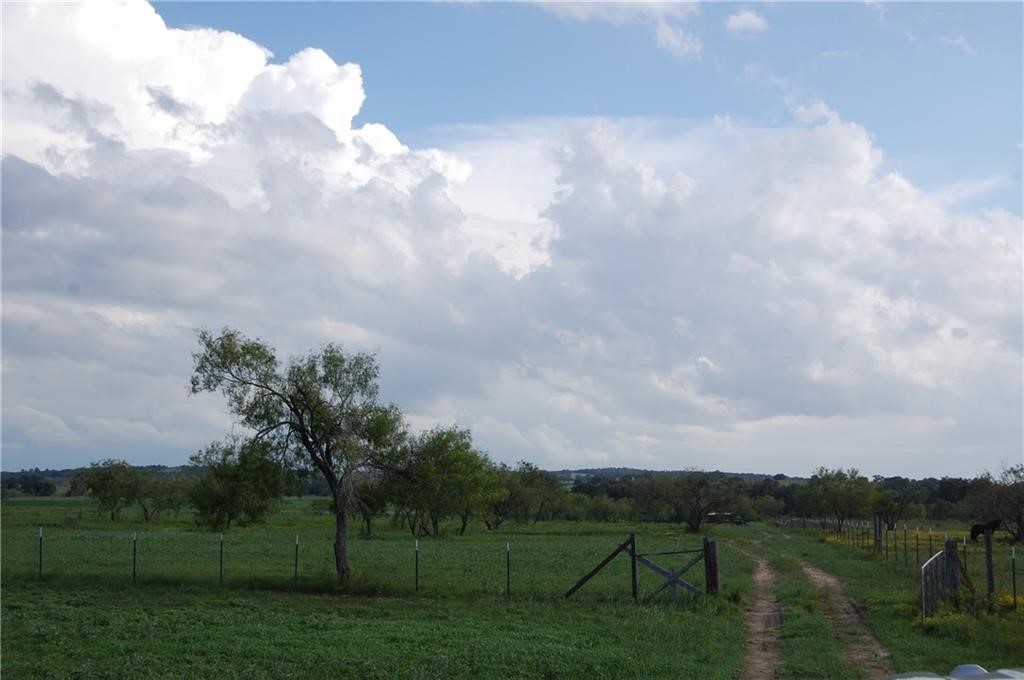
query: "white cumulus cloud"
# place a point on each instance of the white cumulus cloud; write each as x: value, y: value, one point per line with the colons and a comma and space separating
x: 665, y: 18
x: 677, y: 42
x: 746, y: 21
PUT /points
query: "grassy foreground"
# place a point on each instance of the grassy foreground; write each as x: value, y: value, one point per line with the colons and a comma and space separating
x: 85, y: 617
x: 62, y: 630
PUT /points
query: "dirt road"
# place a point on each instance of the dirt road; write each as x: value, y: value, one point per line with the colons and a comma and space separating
x: 860, y: 647
x: 764, y: 618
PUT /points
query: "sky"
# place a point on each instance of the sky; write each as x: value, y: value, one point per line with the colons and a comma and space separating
x: 748, y: 237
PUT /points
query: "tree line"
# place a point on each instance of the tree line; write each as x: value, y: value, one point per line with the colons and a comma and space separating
x: 445, y: 484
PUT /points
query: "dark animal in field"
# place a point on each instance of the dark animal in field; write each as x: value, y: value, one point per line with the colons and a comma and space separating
x: 979, y: 529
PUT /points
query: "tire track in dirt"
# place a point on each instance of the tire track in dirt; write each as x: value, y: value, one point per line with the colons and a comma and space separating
x: 860, y: 647
x: 763, y: 621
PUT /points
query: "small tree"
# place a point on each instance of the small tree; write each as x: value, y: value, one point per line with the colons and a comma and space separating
x: 371, y: 499
x: 318, y: 412
x: 840, y: 494
x: 894, y: 497
x: 649, y: 494
x: 534, y: 492
x: 113, y: 483
x: 695, y: 494
x: 239, y: 482
x: 154, y: 492
x: 498, y: 505
x: 808, y: 503
x: 445, y: 478
x: 687, y: 498
x: 767, y: 507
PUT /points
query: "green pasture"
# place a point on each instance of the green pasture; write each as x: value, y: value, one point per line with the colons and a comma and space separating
x: 543, y: 560
x: 86, y: 618
x: 66, y: 630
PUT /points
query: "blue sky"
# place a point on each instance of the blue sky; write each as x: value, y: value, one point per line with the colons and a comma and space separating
x: 940, y: 110
x: 751, y: 237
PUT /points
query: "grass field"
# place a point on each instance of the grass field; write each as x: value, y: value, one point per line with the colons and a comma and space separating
x: 85, y: 617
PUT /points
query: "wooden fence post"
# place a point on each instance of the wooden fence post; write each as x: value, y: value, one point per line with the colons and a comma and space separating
x: 711, y: 566
x: 878, y: 532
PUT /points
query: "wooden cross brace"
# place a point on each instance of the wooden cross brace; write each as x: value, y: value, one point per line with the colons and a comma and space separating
x: 673, y: 578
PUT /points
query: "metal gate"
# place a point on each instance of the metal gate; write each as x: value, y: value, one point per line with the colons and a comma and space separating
x: 939, y: 575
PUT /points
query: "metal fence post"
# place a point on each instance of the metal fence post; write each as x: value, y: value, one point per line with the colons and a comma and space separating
x: 989, y: 574
x: 906, y: 554
x: 951, y: 579
x: 40, y: 552
x: 634, y: 582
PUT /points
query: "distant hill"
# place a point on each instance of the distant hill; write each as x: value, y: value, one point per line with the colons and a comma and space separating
x: 566, y: 476
x: 67, y: 473
x: 592, y: 474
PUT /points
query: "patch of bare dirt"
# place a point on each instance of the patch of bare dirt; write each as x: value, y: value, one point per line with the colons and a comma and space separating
x: 860, y: 646
x: 764, y: 618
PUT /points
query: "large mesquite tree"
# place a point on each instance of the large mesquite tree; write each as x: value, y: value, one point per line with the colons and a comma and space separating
x: 319, y: 411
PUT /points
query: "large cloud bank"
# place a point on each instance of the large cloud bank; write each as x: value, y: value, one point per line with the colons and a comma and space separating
x: 579, y: 293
